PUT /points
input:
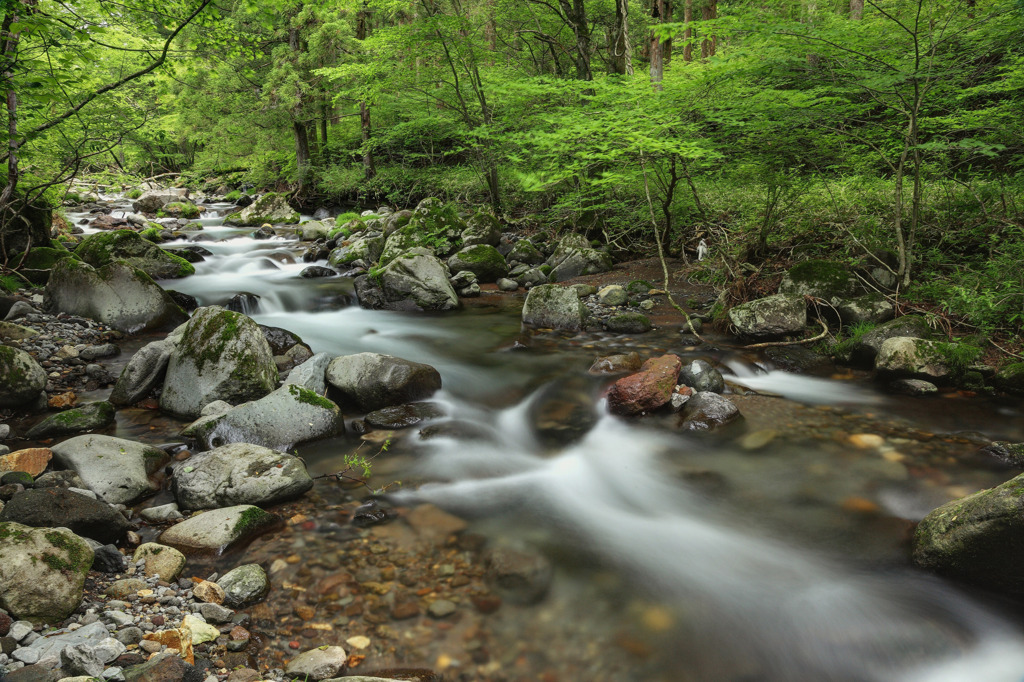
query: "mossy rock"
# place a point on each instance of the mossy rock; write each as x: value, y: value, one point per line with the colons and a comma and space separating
x: 76, y: 420
x: 1011, y: 378
x: 41, y: 259
x: 481, y: 228
x: 821, y: 279
x: 367, y: 249
x: 272, y: 208
x: 42, y: 572
x: 864, y: 349
x: 105, y: 247
x: 525, y: 252
x: 153, y: 234
x: 629, y: 323
x: 483, y: 260
x: 181, y: 209
x: 21, y: 378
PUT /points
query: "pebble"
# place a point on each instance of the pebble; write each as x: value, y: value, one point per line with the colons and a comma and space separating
x: 19, y: 630
x: 442, y: 608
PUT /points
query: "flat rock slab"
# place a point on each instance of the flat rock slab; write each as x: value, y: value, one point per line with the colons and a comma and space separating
x: 218, y: 529
x: 114, y: 468
x: 94, y: 633
x: 32, y: 461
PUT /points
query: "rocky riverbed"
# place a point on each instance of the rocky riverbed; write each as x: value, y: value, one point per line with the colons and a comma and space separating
x: 219, y: 524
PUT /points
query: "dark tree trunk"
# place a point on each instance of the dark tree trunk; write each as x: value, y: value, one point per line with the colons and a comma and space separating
x: 622, y: 51
x: 369, y: 170
x: 576, y: 15
x: 301, y: 150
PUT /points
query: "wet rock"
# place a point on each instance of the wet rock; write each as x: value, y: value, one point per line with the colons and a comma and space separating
x: 707, y: 410
x: 218, y: 529
x: 798, y: 359
x: 21, y: 378
x: 117, y: 294
x: 770, y: 316
x: 522, y: 577
x: 316, y: 272
x: 101, y: 249
x: 114, y: 468
x: 32, y: 673
x: 61, y: 508
x: 88, y: 417
x: 404, y: 416
x: 244, y: 303
x: 371, y: 381
x: 910, y: 358
x: 1011, y: 454
x: 525, y: 252
x: 700, y: 375
x: 222, y: 356
x: 144, y: 372
x: 616, y: 364
x: 552, y: 306
x: 244, y: 585
x: 42, y: 571
x: 311, y: 374
x: 153, y: 200
x: 976, y: 539
x: 505, y: 284
x: 32, y: 461
x: 318, y: 664
x: 161, y: 514
x: 628, y: 323
x: 162, y: 561
x: 416, y: 277
x: 646, y: 390
x: 270, y: 208
x: 239, y: 474
x: 366, y: 248
x: 442, y: 608
x: 865, y: 349
x: 457, y: 429
x: 913, y: 387
x: 1011, y: 378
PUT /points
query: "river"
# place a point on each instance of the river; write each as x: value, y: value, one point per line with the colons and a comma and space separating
x: 772, y: 551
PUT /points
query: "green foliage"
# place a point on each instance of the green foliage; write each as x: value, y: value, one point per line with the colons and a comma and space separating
x: 134, y: 193
x: 233, y: 195
x: 10, y: 283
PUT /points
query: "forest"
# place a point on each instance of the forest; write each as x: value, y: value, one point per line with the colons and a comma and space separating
x: 772, y: 132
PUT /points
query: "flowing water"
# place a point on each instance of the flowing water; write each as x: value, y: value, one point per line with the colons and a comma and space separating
x: 775, y: 550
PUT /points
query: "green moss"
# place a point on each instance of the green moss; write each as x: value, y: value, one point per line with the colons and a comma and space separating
x: 639, y: 286
x: 233, y: 218
x: 233, y: 195
x: 9, y: 532
x: 250, y: 520
x: 545, y: 270
x: 814, y: 271
x: 304, y: 395
x: 43, y: 257
x: 346, y: 218
x: 184, y: 267
x: 181, y: 209
x: 134, y: 193
x: 205, y: 342
x: 152, y: 234
x: 77, y: 559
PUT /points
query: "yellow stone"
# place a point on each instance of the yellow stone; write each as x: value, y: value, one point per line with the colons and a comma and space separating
x: 865, y: 441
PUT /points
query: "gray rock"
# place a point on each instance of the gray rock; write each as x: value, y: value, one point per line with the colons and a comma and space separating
x: 291, y: 414
x: 873, y: 308
x: 913, y: 387
x: 26, y: 656
x: 865, y: 349
x: 161, y: 514
x: 612, y: 295
x: 119, y: 618
x: 909, y: 358
x: 87, y: 417
x: 481, y: 228
x: 708, y: 410
x: 129, y: 635
x: 549, y: 305
x: 371, y: 381
x: 162, y: 561
x: 770, y: 316
x: 61, y: 508
x: 103, y: 248
x: 240, y: 473
x: 525, y: 252
x: 418, y: 278
x: 270, y: 208
x: 153, y: 200
x: 81, y: 659
x: 143, y: 373
x: 312, y: 230
x: 575, y: 257
x: 482, y: 260
x: 218, y: 529
x: 21, y: 377
x: 505, y: 284
x: 42, y: 571
x: 442, y: 608
x: 216, y: 408
x: 114, y: 468
x: 700, y: 375
x: 975, y: 539
x: 531, y: 278
x: 244, y: 585
x: 520, y: 576
x: 51, y: 647
x: 223, y: 355
x: 311, y: 374
x: 19, y: 630
x: 821, y: 279
x: 116, y: 294
x: 215, y: 613
x: 364, y: 247
x: 318, y: 664
x: 20, y: 309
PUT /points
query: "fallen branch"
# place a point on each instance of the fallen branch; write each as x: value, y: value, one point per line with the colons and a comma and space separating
x: 819, y: 337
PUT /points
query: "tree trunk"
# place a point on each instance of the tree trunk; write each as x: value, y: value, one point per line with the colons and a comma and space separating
x: 657, y: 53
x: 709, y: 44
x: 688, y: 33
x: 314, y: 143
x: 301, y: 149
x: 369, y: 170
x: 622, y: 50
x: 857, y: 9
x: 323, y: 134
x: 576, y: 15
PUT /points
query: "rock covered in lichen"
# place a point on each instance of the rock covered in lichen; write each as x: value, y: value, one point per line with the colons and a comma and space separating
x: 42, y: 571
x: 218, y: 529
x: 21, y: 377
x: 222, y: 355
x: 910, y: 358
x: 104, y: 247
x: 240, y: 473
x: 574, y: 257
x: 770, y: 316
x: 821, y: 279
x: 270, y: 208
x: 417, y: 279
x: 83, y: 418
x: 557, y: 307
x: 483, y: 260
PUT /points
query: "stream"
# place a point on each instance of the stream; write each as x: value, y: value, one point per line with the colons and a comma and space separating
x: 776, y: 550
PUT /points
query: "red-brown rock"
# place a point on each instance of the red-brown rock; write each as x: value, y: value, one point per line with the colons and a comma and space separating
x: 32, y: 461
x: 648, y: 389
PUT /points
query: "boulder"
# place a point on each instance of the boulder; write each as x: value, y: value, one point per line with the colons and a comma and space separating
x: 481, y: 228
x: 905, y: 357
x: 106, y: 247
x: 700, y: 375
x: 404, y: 416
x: 865, y: 349
x: 116, y: 294
x: 370, y: 381
x: 365, y: 248
x: 217, y: 529
x: 311, y: 374
x: 616, y: 364
x: 42, y: 571
x: 222, y: 355
x: 244, y: 585
x: 648, y: 389
x: 613, y: 295
x: 874, y: 308
x: 977, y: 539
x: 574, y: 257
x: 821, y: 279
x: 706, y: 410
x: 239, y: 473
x: 32, y: 461
x: 549, y: 305
x: 1011, y: 378
x: 314, y: 229
x: 61, y: 508
x: 270, y: 208
x: 21, y: 378
x: 84, y: 418
x: 628, y: 323
x: 143, y: 373
x: 153, y: 200
x: 880, y: 267
x: 289, y: 415
x: 114, y: 468
x: 52, y: 645
x: 483, y: 260
x: 418, y: 278
x: 770, y: 316
x: 432, y: 225
x: 525, y: 252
